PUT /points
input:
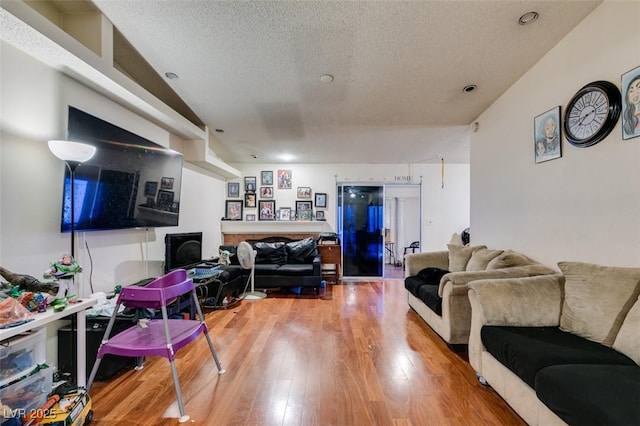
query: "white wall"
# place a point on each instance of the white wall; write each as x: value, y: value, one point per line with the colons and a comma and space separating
x: 34, y: 109
x: 584, y: 206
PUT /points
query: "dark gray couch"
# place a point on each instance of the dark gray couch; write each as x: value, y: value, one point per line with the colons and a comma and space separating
x: 282, y: 262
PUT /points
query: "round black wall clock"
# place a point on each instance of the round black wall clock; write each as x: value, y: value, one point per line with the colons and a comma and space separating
x: 592, y: 113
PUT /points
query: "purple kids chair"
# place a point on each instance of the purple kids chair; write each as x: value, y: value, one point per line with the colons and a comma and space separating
x: 158, y: 337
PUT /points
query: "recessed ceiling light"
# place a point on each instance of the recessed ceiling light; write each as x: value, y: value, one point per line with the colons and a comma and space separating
x: 254, y: 156
x: 528, y: 18
x: 286, y: 157
x: 469, y: 88
x: 219, y: 131
x: 327, y: 78
x: 171, y: 75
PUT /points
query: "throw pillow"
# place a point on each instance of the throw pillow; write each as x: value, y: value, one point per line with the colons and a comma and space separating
x: 459, y: 256
x: 302, y: 251
x: 628, y: 338
x: 597, y: 299
x: 509, y: 259
x: 270, y: 253
x: 481, y: 258
x: 431, y: 275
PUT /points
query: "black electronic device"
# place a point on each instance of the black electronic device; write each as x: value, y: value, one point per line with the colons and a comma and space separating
x: 130, y: 182
x: 183, y: 250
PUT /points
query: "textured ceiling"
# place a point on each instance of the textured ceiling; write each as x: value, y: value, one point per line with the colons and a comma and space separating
x: 254, y: 68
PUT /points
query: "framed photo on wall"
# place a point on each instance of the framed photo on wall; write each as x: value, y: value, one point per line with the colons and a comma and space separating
x: 250, y: 200
x: 266, y: 177
x: 321, y: 200
x: 266, y: 210
x: 233, y: 210
x: 303, y: 205
x: 233, y: 189
x: 284, y: 179
x: 304, y: 192
x: 250, y: 217
x: 266, y: 192
x: 320, y: 215
x: 250, y: 184
x: 547, y: 135
x: 631, y: 104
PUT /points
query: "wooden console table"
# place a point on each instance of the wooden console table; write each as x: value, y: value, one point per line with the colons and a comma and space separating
x: 331, y: 254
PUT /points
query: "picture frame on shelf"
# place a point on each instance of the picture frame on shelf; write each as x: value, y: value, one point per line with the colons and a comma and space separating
x: 250, y: 217
x: 266, y: 210
x: 321, y: 200
x: 304, y: 215
x: 304, y: 192
x: 284, y: 179
x: 630, y: 83
x: 175, y: 207
x: 233, y: 210
x: 284, y: 213
x: 165, y: 198
x: 320, y: 215
x: 233, y: 189
x: 266, y: 192
x: 547, y: 135
x: 150, y: 189
x: 166, y: 183
x: 250, y: 200
x: 266, y: 177
x: 250, y: 184
x: 304, y: 206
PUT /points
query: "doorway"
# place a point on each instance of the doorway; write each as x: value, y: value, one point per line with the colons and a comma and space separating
x: 360, y: 226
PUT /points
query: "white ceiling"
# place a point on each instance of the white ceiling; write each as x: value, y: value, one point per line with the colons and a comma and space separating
x: 253, y: 69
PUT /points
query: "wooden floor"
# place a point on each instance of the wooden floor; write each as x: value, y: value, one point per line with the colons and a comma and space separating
x: 357, y: 355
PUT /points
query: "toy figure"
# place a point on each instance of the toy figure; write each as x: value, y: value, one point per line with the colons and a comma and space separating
x: 64, y: 269
x: 224, y: 257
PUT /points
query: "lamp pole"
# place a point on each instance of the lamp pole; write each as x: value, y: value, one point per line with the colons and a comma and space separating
x: 72, y: 165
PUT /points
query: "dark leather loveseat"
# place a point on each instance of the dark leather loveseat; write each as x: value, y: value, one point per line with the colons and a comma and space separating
x: 281, y: 262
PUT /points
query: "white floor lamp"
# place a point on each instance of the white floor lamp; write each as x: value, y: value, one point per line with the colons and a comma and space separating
x: 73, y: 154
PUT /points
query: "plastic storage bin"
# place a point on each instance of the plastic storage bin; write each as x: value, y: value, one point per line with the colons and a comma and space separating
x: 20, y: 355
x: 28, y: 394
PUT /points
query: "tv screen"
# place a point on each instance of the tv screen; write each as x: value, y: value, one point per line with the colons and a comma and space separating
x: 182, y: 250
x: 130, y: 182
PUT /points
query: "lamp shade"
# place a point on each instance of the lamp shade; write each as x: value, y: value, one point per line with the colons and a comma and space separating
x: 72, y: 151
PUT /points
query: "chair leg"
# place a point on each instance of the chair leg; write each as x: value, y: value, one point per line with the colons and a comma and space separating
x: 206, y: 334
x: 176, y: 384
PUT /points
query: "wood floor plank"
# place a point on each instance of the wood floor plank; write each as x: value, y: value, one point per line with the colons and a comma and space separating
x: 356, y: 355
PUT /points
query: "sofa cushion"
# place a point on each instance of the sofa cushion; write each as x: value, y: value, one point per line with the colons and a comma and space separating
x: 591, y: 394
x: 508, y: 259
x: 597, y: 299
x: 459, y: 256
x: 294, y: 270
x: 480, y: 259
x: 302, y: 251
x: 526, y: 350
x: 429, y: 295
x: 430, y: 276
x: 628, y: 338
x: 270, y: 253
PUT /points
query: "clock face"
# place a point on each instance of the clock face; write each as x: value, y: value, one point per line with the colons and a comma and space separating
x: 588, y: 114
x: 592, y: 113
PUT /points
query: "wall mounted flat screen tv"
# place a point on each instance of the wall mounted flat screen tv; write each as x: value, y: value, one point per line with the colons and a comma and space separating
x: 130, y: 182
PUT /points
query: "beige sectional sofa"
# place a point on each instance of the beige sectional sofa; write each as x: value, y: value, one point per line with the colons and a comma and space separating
x: 571, y: 340
x: 462, y: 265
